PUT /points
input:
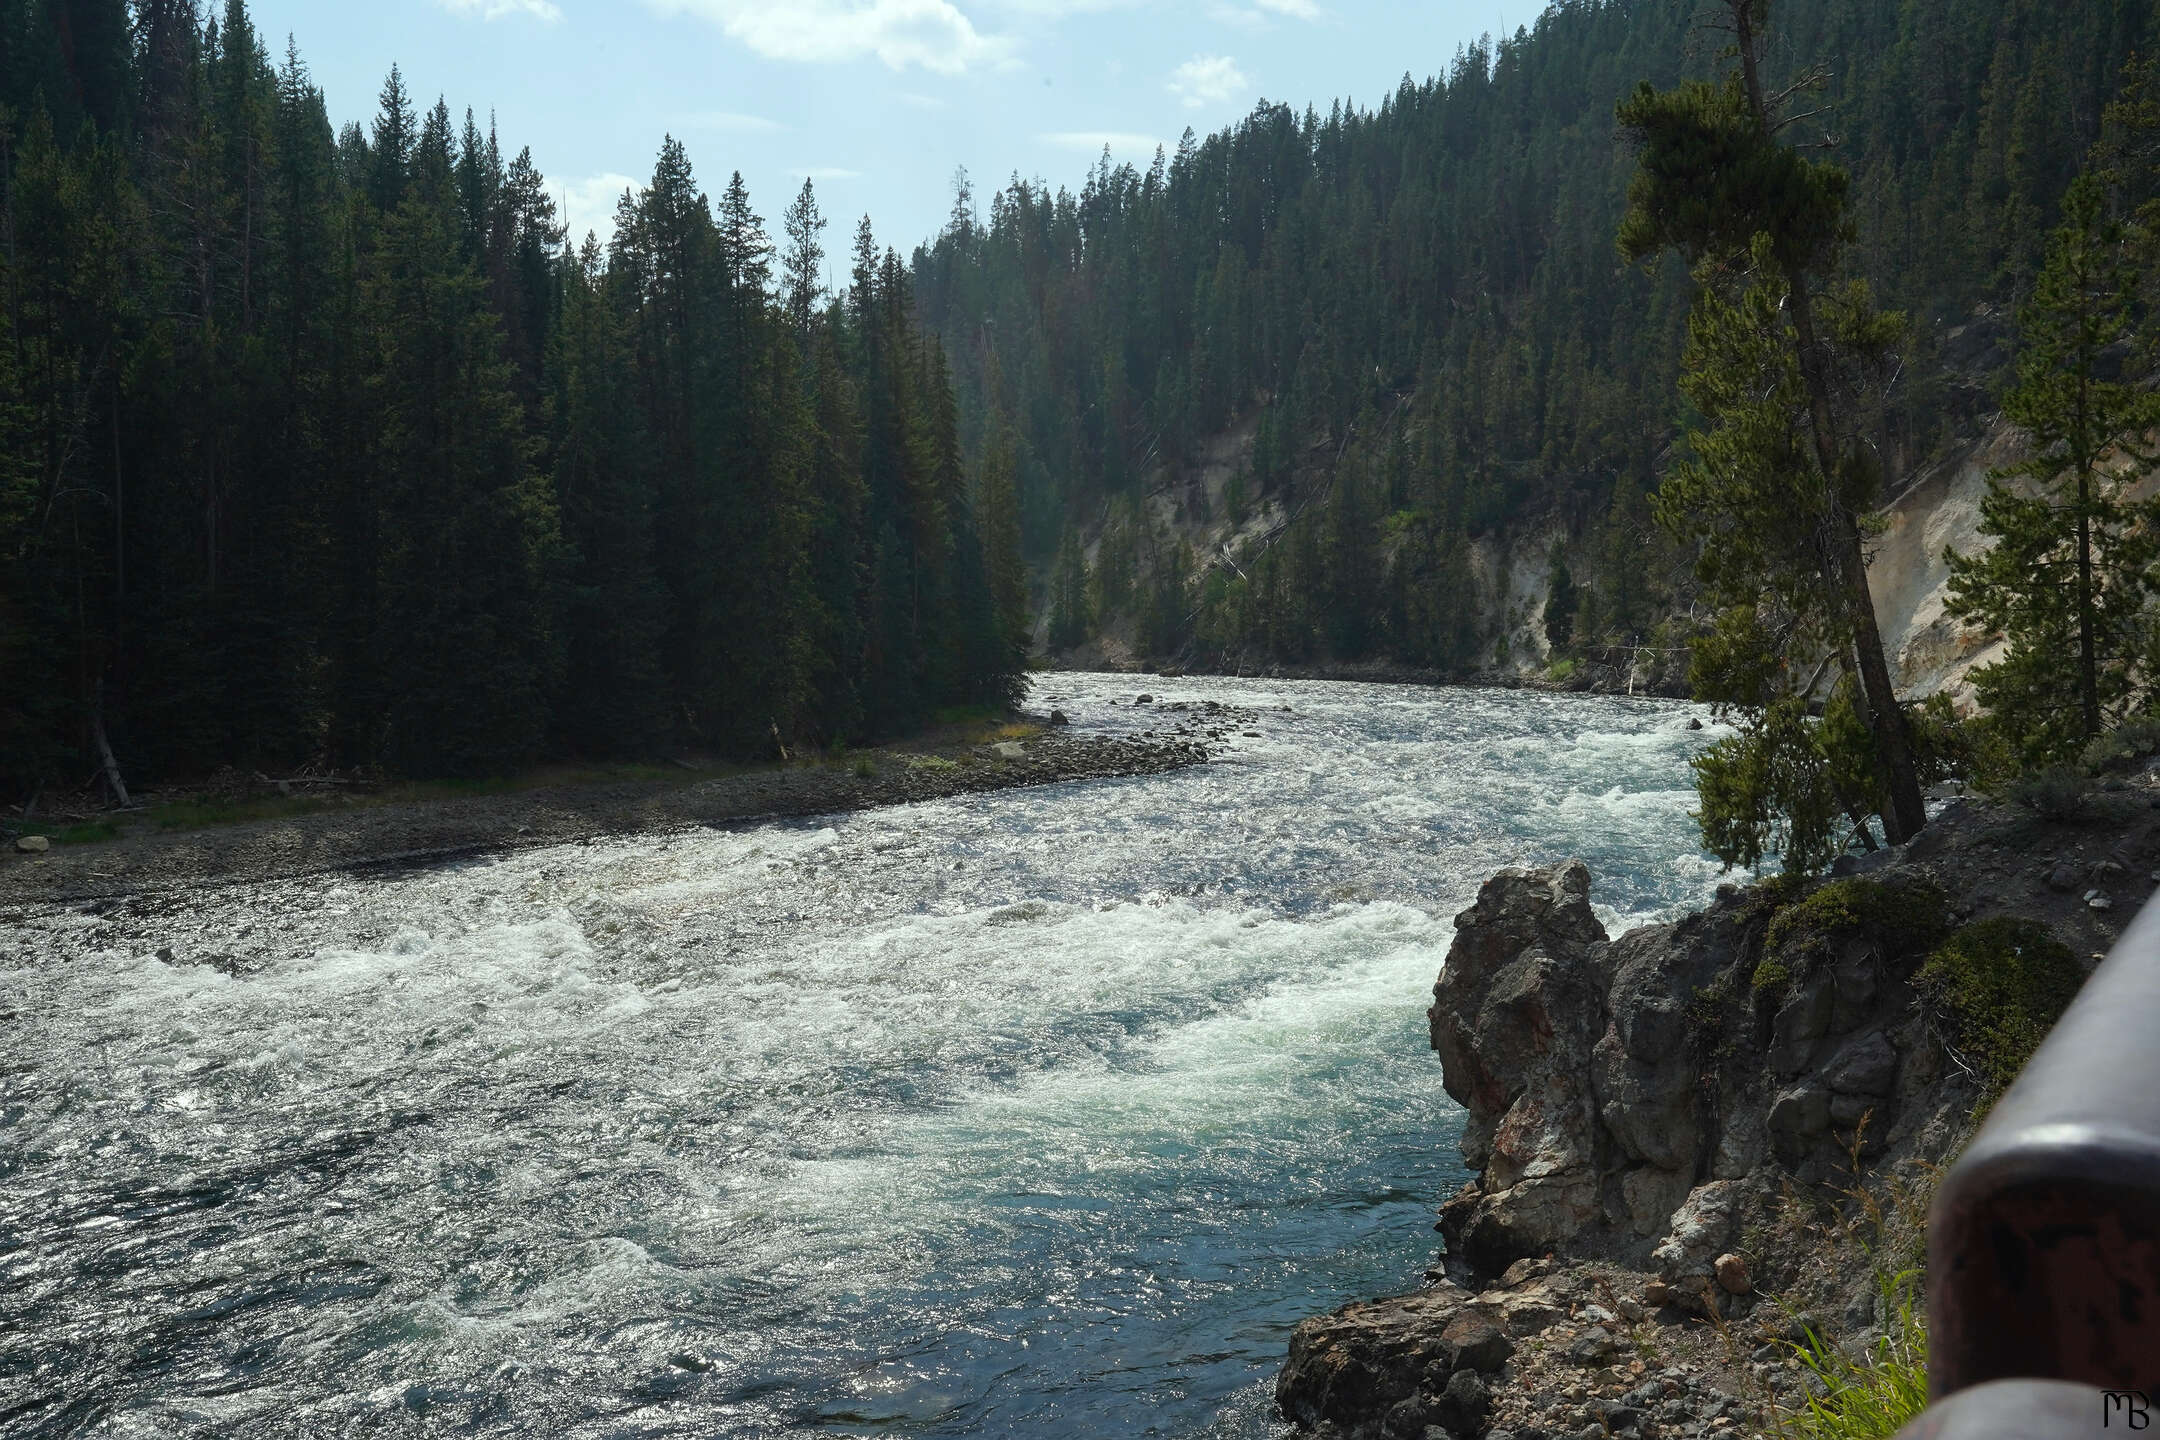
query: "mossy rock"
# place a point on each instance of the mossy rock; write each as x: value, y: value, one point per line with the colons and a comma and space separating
x: 1903, y: 917
x: 2004, y: 983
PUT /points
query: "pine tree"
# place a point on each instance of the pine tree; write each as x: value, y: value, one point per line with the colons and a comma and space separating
x: 998, y: 503
x: 390, y: 150
x: 1560, y: 599
x: 614, y: 696
x: 2072, y: 566
x: 802, y: 263
x: 469, y: 533
x: 1070, y: 623
x: 1713, y: 182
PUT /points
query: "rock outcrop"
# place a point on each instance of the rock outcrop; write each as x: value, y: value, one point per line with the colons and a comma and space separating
x: 1664, y: 1126
x: 1636, y: 1100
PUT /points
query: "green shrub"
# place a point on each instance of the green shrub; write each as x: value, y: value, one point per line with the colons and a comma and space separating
x: 1874, y: 1396
x: 865, y: 767
x: 2056, y: 793
x: 1562, y: 671
x: 1772, y: 975
x: 1711, y: 1034
x: 2004, y: 983
x: 1904, y: 916
x: 2124, y: 747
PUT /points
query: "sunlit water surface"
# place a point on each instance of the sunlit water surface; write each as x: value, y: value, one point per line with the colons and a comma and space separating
x: 1037, y: 1113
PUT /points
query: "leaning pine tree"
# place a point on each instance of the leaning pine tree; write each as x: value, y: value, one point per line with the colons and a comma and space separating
x: 2070, y: 572
x: 1787, y: 370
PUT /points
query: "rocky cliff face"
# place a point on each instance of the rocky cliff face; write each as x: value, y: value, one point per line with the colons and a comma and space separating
x: 1671, y: 1124
x: 1637, y: 1099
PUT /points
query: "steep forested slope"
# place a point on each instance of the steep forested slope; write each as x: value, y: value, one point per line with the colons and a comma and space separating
x: 1419, y: 310
x: 323, y: 446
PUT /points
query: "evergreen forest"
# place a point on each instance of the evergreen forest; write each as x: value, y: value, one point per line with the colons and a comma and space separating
x: 334, y: 447
x: 1419, y: 311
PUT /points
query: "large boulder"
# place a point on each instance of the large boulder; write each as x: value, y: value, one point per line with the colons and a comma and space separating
x: 1361, y: 1362
x: 1516, y: 1013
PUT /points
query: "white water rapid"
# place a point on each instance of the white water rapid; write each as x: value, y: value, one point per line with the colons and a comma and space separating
x: 1045, y: 1112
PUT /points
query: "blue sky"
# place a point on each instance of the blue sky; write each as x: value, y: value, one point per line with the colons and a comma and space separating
x: 877, y: 101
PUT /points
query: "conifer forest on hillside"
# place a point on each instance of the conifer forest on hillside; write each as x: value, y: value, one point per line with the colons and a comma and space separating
x: 335, y: 446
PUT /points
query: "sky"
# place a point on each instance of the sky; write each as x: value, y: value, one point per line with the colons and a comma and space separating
x: 878, y: 102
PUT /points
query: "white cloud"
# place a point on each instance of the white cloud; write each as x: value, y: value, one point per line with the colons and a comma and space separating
x: 1059, y: 9
x: 920, y: 102
x: 1207, y: 80
x: 827, y: 172
x: 1094, y: 142
x: 931, y: 34
x: 542, y: 10
x: 1264, y: 13
x: 589, y: 204
x: 729, y: 121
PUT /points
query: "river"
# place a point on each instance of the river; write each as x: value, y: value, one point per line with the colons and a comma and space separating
x: 1044, y: 1112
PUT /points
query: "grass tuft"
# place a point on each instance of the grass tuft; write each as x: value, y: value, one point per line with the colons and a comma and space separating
x: 1871, y: 1397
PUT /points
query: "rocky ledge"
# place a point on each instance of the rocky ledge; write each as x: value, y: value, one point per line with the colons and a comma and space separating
x: 1697, y: 1143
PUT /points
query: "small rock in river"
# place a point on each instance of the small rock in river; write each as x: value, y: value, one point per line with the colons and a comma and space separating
x: 1057, y: 717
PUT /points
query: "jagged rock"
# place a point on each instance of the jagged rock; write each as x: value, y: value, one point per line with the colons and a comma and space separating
x: 1529, y: 1315
x: 1514, y: 1017
x: 1354, y: 1366
x: 1855, y: 986
x: 1466, y: 1401
x: 1732, y: 1273
x: 1798, y: 1116
x: 1638, y: 1101
x: 33, y: 844
x: 1058, y: 718
x: 1801, y: 1021
x: 1702, y: 1229
x: 1473, y: 1342
x: 1522, y: 1272
x: 1865, y: 1066
x: 2063, y: 878
x: 1594, y: 1346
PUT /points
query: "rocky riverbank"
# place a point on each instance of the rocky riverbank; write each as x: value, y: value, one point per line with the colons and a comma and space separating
x: 416, y: 832
x: 1697, y: 1143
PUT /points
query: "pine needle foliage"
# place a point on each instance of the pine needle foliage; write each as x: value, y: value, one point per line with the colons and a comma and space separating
x: 2071, y: 571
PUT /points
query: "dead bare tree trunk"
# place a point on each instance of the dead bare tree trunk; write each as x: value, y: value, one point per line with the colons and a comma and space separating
x: 108, y: 767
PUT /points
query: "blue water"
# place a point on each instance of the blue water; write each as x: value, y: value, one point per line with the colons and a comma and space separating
x: 1044, y: 1112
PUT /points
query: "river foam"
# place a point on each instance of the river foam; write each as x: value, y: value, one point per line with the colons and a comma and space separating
x: 1038, y: 1112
